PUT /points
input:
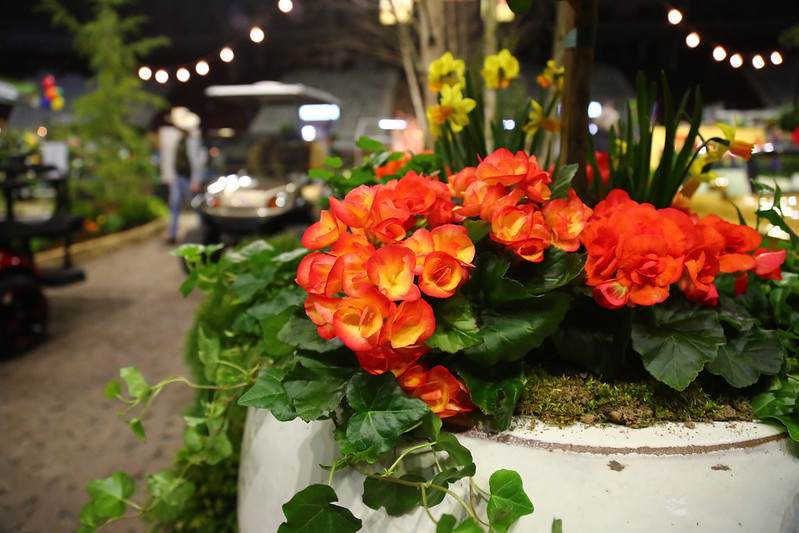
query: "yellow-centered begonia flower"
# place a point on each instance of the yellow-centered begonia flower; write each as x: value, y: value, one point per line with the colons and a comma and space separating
x: 499, y: 69
x: 552, y: 76
x: 445, y: 71
x: 536, y: 120
x: 452, y: 107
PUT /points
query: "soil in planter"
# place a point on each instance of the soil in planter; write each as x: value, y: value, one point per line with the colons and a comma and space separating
x: 562, y: 395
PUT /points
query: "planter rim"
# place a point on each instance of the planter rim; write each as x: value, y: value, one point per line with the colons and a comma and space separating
x: 669, y: 438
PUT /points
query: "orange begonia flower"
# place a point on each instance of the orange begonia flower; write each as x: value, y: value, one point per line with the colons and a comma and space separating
x: 320, y: 310
x: 420, y: 243
x: 391, y: 167
x: 611, y: 294
x: 389, y: 231
x: 346, y: 275
x: 356, y: 207
x: 739, y: 241
x: 387, y: 359
x: 441, y: 275
x: 536, y: 183
x: 313, y: 272
x: 455, y: 241
x: 522, y: 228
x: 438, y: 388
x: 358, y: 321
x: 502, y: 166
x: 416, y: 193
x: 410, y: 324
x: 566, y: 220
x: 324, y: 232
x: 769, y: 263
x: 391, y: 270
x: 460, y: 181
x: 647, y: 269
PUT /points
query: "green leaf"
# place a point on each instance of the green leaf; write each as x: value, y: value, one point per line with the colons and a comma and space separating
x: 137, y: 386
x: 396, y: 498
x: 509, y: 336
x: 334, y: 162
x: 172, y: 489
x: 563, y: 182
x: 496, y: 391
x: 383, y: 411
x: 251, y: 252
x: 456, y: 328
x: 320, y: 174
x: 431, y: 426
x: 508, y: 501
x: 489, y: 275
x: 109, y: 495
x: 285, y: 299
x: 367, y: 144
x: 675, y: 342
x: 557, y: 525
x: 113, y: 389
x: 299, y: 331
x: 270, y: 331
x: 742, y: 360
x: 311, y: 511
x: 444, y: 478
x: 780, y: 402
x: 246, y: 285
x: 268, y: 393
x: 316, y: 391
x: 558, y: 269
x: 137, y: 428
x: 458, y: 453
x: 218, y: 447
x: 208, y: 352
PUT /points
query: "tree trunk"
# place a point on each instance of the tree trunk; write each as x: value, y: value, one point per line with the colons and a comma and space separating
x: 578, y: 58
x: 489, y: 15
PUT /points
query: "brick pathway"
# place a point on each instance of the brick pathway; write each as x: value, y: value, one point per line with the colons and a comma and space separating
x: 57, y: 429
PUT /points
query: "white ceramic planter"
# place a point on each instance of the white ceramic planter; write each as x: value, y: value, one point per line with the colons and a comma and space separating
x: 712, y: 478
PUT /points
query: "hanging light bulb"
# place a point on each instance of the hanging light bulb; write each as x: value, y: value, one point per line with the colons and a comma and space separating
x: 692, y: 40
x: 202, y: 67
x: 776, y: 58
x: 257, y: 34
x: 161, y: 76
x: 674, y: 16
x: 183, y: 74
x: 145, y: 73
x: 758, y: 62
x: 285, y: 5
x: 226, y: 54
x: 719, y: 53
x: 736, y: 60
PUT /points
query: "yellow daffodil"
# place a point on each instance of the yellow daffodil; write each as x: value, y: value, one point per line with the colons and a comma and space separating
x: 452, y: 107
x: 445, y: 71
x: 499, y: 69
x: 740, y: 148
x: 536, y: 120
x: 552, y: 76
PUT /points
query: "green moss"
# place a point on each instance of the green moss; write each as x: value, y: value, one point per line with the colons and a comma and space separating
x: 565, y: 397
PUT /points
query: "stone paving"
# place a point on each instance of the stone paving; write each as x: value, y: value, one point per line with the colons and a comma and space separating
x: 57, y: 429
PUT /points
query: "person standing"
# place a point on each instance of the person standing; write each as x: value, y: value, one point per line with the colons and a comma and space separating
x: 182, y: 160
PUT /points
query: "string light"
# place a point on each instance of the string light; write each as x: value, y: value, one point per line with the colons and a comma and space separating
x: 161, y: 76
x: 285, y: 5
x: 257, y: 34
x: 183, y: 74
x: 226, y: 54
x: 693, y: 39
x: 202, y: 67
x: 145, y: 73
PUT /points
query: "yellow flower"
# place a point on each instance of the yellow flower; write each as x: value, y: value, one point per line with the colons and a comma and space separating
x: 452, y: 107
x: 30, y: 139
x: 552, y: 75
x: 499, y: 69
x: 740, y: 148
x: 444, y: 71
x: 536, y: 120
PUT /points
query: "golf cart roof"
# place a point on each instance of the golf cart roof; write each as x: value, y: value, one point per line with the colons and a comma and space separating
x: 272, y: 92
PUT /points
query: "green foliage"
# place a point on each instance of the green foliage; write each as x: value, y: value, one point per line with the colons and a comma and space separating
x: 311, y: 509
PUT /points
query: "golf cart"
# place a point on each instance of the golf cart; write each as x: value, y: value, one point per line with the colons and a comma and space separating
x: 260, y: 183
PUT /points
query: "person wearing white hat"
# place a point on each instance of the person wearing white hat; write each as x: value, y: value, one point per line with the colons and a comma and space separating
x: 182, y: 161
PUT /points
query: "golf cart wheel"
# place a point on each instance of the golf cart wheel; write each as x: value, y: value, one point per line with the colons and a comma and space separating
x: 23, y: 313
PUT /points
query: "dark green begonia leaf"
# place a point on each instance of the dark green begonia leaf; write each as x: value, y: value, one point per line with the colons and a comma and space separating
x: 456, y: 328
x: 742, y: 360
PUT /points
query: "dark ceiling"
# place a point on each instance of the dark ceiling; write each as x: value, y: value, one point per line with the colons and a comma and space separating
x: 633, y: 35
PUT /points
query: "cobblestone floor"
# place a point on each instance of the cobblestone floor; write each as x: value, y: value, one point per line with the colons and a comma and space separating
x: 57, y: 429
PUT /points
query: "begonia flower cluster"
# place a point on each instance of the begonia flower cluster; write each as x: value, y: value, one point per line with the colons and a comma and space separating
x: 383, y: 251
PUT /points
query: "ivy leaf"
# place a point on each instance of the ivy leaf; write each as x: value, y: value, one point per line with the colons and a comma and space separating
x: 458, y: 453
x: 743, y: 359
x: 676, y: 342
x: 301, y: 332
x: 268, y: 393
x: 315, y: 391
x: 170, y: 488
x: 137, y: 386
x: 311, y: 510
x: 430, y: 427
x: 367, y: 144
x: 557, y: 525
x: 113, y: 389
x: 109, y: 495
x: 456, y: 328
x: 449, y: 524
x: 383, y: 411
x: 508, y: 501
x: 208, y: 348
x: 396, y: 498
x: 444, y: 478
x: 495, y: 391
x: 137, y: 428
x: 509, y: 336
